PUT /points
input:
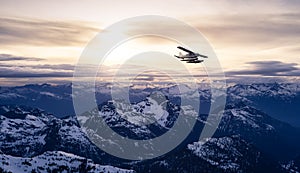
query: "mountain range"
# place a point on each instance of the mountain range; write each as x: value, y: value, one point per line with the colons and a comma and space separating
x: 248, y: 139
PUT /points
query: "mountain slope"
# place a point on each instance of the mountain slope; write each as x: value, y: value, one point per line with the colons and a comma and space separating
x: 28, y: 132
x: 225, y: 154
x: 54, y: 161
x: 277, y: 100
x: 274, y: 137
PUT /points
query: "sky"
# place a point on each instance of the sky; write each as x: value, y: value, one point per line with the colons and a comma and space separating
x: 41, y: 41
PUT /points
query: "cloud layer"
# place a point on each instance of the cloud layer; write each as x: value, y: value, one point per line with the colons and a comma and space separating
x: 255, y: 30
x: 269, y: 68
x: 22, y: 31
x: 8, y: 57
x: 12, y: 66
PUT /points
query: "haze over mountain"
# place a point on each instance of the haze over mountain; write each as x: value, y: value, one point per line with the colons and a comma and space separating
x: 279, y: 100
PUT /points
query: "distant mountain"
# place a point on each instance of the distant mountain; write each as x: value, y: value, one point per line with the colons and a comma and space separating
x: 277, y: 100
x: 266, y: 89
x: 55, y: 99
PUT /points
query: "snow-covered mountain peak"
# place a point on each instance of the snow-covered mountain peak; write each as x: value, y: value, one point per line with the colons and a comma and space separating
x: 150, y: 110
x: 241, y: 116
x: 265, y: 89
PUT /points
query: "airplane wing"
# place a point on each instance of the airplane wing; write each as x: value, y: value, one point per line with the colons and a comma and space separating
x: 203, y: 56
x: 186, y: 50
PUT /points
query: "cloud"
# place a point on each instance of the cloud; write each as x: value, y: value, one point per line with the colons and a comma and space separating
x: 8, y: 57
x: 230, y: 28
x: 252, y: 30
x: 144, y: 78
x: 64, y: 67
x: 10, y: 69
x: 12, y: 66
x: 234, y: 35
x: 21, y: 31
x: 19, y: 73
x: 67, y: 67
x: 268, y: 68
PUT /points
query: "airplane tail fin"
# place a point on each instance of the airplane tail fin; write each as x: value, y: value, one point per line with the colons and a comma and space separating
x: 179, y: 56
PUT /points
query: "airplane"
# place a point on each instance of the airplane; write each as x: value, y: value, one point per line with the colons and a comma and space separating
x: 191, y: 57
